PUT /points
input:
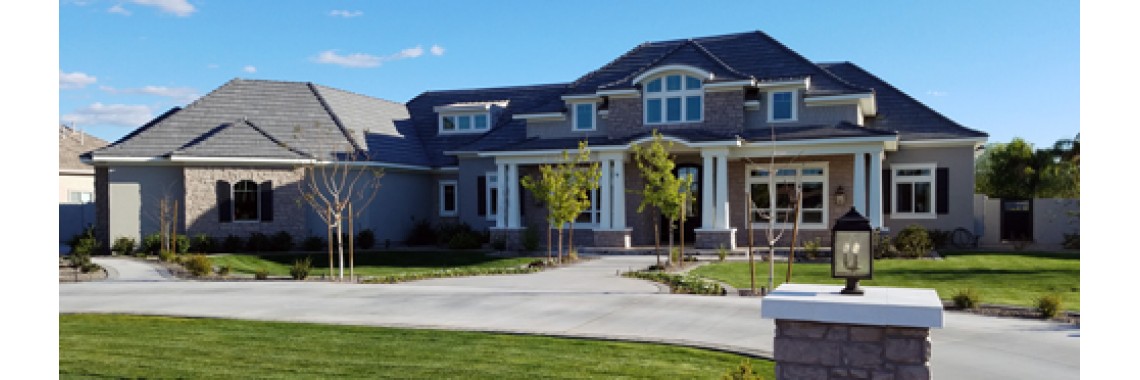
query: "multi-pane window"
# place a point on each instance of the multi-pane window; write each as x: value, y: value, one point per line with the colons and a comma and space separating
x: 584, y: 117
x: 593, y: 214
x: 246, y: 203
x: 914, y: 189
x: 674, y: 98
x: 80, y: 196
x: 774, y: 194
x: 468, y: 123
x: 782, y: 106
x: 448, y: 198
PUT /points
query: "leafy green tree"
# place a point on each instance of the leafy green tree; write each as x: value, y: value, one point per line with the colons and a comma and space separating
x: 663, y: 190
x: 1017, y: 170
x: 565, y: 189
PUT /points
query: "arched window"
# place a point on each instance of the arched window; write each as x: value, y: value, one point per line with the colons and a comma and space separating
x: 246, y: 202
x: 674, y: 98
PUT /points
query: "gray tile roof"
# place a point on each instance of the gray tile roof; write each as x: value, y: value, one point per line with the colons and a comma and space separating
x: 307, y: 118
x: 72, y: 144
x: 238, y: 139
x: 899, y: 111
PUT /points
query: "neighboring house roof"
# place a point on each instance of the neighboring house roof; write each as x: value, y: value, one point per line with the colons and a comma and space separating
x: 72, y: 144
x: 280, y: 118
x: 899, y: 111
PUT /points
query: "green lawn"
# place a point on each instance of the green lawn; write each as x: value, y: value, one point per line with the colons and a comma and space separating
x: 1005, y: 278
x: 374, y: 263
x: 120, y: 346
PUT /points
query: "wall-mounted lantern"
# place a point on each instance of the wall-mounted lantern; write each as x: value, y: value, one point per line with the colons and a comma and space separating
x: 851, y: 251
x: 840, y: 196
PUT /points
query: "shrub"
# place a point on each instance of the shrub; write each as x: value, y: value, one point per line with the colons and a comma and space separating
x: 203, y: 243
x: 232, y: 244
x: 151, y: 243
x: 1050, y: 305
x: 123, y: 246
x: 530, y: 239
x: 882, y: 244
x: 224, y: 270
x: 811, y: 248
x: 167, y: 256
x: 198, y: 265
x: 742, y: 372
x: 365, y: 239
x: 314, y: 243
x: 300, y: 268
x: 939, y: 238
x: 572, y: 255
x: 281, y: 242
x: 464, y: 240
x: 89, y: 267
x: 499, y: 243
x: 261, y: 274
x: 967, y: 298
x: 448, y: 231
x: 721, y: 253
x: 421, y: 234
x: 681, y: 284
x: 257, y: 242
x: 182, y: 244
x: 1072, y: 241
x: 913, y: 241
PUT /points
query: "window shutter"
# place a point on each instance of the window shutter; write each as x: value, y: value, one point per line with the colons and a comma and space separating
x: 266, y: 189
x: 887, y: 191
x: 225, y: 203
x: 481, y: 183
x: 942, y: 190
x: 522, y: 199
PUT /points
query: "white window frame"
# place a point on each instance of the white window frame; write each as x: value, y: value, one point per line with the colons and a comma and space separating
x: 595, y: 211
x: 772, y: 106
x: 665, y: 94
x: 798, y: 180
x: 931, y: 178
x: 575, y: 115
x: 443, y: 184
x: 256, y: 202
x: 470, y: 116
x: 492, y: 183
x: 77, y: 196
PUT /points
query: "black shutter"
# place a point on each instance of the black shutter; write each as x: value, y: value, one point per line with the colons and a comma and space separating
x: 225, y: 203
x: 942, y: 190
x: 522, y: 199
x: 481, y: 183
x: 266, y: 201
x: 887, y: 191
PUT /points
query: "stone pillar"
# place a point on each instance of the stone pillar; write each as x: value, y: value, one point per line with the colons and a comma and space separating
x: 604, y: 192
x: 859, y: 193
x: 501, y: 197
x: 511, y: 183
x: 883, y: 334
x: 875, y: 206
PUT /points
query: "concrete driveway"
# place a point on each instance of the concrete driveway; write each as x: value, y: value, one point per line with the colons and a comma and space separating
x: 586, y: 300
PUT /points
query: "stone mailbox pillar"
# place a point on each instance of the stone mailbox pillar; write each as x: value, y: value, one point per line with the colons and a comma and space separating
x: 822, y: 334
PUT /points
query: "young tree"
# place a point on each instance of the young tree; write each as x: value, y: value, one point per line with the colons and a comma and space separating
x: 565, y: 188
x: 335, y: 188
x: 662, y: 190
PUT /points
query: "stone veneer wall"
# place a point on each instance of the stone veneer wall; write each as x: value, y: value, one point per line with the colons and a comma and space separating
x: 289, y: 211
x: 829, y: 351
x: 723, y: 113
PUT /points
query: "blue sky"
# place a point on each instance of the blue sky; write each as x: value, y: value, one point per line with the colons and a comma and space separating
x: 1010, y: 68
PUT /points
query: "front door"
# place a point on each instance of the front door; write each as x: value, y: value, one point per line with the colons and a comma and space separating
x: 692, y: 211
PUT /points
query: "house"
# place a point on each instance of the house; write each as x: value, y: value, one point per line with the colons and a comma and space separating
x: 749, y: 119
x: 76, y: 181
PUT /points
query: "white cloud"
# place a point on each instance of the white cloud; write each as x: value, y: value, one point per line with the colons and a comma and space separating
x: 346, y: 13
x: 181, y: 8
x: 184, y: 94
x: 249, y: 69
x: 351, y: 60
x: 112, y: 114
x: 437, y: 50
x: 408, y: 53
x: 937, y: 93
x: 118, y: 9
x: 74, y: 80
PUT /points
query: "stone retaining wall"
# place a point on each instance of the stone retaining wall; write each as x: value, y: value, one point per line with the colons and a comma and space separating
x: 826, y: 351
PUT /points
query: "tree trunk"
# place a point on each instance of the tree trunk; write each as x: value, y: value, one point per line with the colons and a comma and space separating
x: 549, y: 242
x: 671, y: 230
x: 174, y: 226
x: 792, y: 248
x: 681, y: 256
x: 569, y: 240
x: 560, y: 244
x: 771, y: 263
x: 330, y: 240
x: 351, y: 247
x: 340, y: 248
x: 657, y: 241
x: 751, y: 259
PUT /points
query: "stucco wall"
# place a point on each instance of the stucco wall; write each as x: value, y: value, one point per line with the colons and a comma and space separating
x: 403, y: 198
x: 133, y: 197
x: 960, y: 162
x: 75, y: 183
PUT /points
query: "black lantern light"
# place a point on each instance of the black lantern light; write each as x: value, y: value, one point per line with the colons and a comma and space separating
x: 851, y: 251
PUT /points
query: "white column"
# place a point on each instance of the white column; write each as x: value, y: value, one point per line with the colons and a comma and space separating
x: 618, y: 183
x: 514, y: 218
x: 859, y: 193
x: 501, y: 197
x: 708, y: 213
x: 722, y: 221
x: 604, y: 192
x: 875, y: 208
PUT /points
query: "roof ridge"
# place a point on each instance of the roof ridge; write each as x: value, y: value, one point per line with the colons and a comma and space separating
x: 799, y: 56
x: 520, y: 87
x: 717, y: 59
x: 644, y: 67
x: 907, y: 96
x: 355, y: 93
x: 274, y: 139
x: 335, y: 118
x: 591, y: 74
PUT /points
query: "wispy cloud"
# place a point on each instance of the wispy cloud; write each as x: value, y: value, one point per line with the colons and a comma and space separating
x: 180, y: 8
x: 184, y: 94
x: 249, y: 69
x: 74, y: 80
x: 118, y: 9
x: 362, y: 60
x: 346, y: 13
x: 110, y: 114
x: 937, y: 93
x: 437, y: 50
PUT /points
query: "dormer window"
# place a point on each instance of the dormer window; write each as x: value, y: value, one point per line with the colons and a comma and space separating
x: 469, y: 123
x: 781, y: 106
x: 584, y: 117
x: 676, y: 98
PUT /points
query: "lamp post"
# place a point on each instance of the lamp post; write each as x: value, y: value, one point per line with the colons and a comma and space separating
x: 851, y: 251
